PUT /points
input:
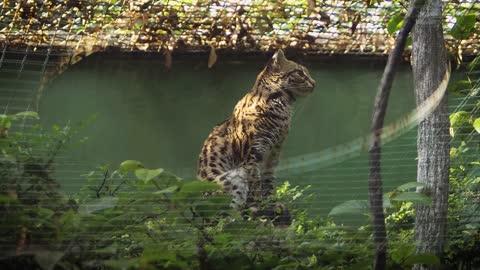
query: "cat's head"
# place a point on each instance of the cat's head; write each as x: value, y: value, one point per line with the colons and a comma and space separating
x: 287, y: 76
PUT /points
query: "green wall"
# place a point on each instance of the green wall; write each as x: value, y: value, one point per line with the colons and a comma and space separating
x: 162, y: 118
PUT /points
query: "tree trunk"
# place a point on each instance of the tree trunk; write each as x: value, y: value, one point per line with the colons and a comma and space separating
x: 429, y: 66
x: 375, y: 189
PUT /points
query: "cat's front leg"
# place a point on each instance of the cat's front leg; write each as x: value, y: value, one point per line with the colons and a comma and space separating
x: 253, y: 175
x: 267, y: 180
x: 253, y: 164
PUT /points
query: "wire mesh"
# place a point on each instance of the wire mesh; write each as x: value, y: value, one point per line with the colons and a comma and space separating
x: 40, y: 38
x: 337, y: 27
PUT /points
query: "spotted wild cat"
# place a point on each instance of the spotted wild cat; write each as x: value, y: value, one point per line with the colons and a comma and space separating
x: 242, y: 152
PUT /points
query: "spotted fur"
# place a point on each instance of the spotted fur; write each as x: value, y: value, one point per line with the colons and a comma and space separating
x: 242, y: 152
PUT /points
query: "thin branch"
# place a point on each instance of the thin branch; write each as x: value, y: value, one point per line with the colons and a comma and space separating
x: 375, y: 190
x: 105, y: 176
x: 116, y: 189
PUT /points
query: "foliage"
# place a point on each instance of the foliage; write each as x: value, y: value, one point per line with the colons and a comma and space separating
x: 209, y: 25
x: 464, y: 212
x: 133, y: 217
x: 31, y: 204
x: 168, y: 223
x: 136, y: 217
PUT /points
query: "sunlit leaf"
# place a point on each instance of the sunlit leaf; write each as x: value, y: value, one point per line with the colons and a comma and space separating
x: 27, y: 114
x: 5, y: 121
x: 415, y: 197
x: 410, y: 185
x: 147, y: 175
x: 476, y: 125
x: 350, y: 207
x: 130, y: 165
x: 458, y: 119
x: 395, y: 23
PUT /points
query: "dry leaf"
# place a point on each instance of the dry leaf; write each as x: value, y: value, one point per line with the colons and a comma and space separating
x: 212, y: 58
x: 311, y: 7
x: 168, y: 59
x: 142, y: 46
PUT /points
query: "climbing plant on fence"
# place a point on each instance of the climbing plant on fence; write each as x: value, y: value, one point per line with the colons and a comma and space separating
x: 358, y: 26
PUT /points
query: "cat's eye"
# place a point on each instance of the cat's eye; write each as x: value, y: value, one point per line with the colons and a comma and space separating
x: 297, y: 78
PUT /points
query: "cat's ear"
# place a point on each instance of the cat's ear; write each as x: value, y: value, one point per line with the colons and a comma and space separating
x: 277, y: 60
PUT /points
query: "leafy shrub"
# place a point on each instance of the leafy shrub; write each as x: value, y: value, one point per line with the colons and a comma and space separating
x: 134, y: 217
x: 32, y: 206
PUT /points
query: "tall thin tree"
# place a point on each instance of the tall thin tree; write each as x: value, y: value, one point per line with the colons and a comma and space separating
x: 429, y: 63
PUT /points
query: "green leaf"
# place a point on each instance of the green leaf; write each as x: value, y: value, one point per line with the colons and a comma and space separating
x: 409, y: 41
x: 395, y: 23
x: 402, y: 251
x: 464, y: 26
x: 350, y: 207
x: 422, y: 258
x: 99, y: 204
x: 5, y: 121
x: 476, y: 124
x: 460, y: 86
x: 409, y: 185
x: 167, y: 190
x: 459, y: 118
x: 26, y: 114
x: 130, y: 165
x: 147, y: 175
x: 475, y: 64
x: 47, y: 259
x: 386, y: 201
x: 213, y: 205
x: 414, y: 197
x: 195, y: 189
x: 45, y: 213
